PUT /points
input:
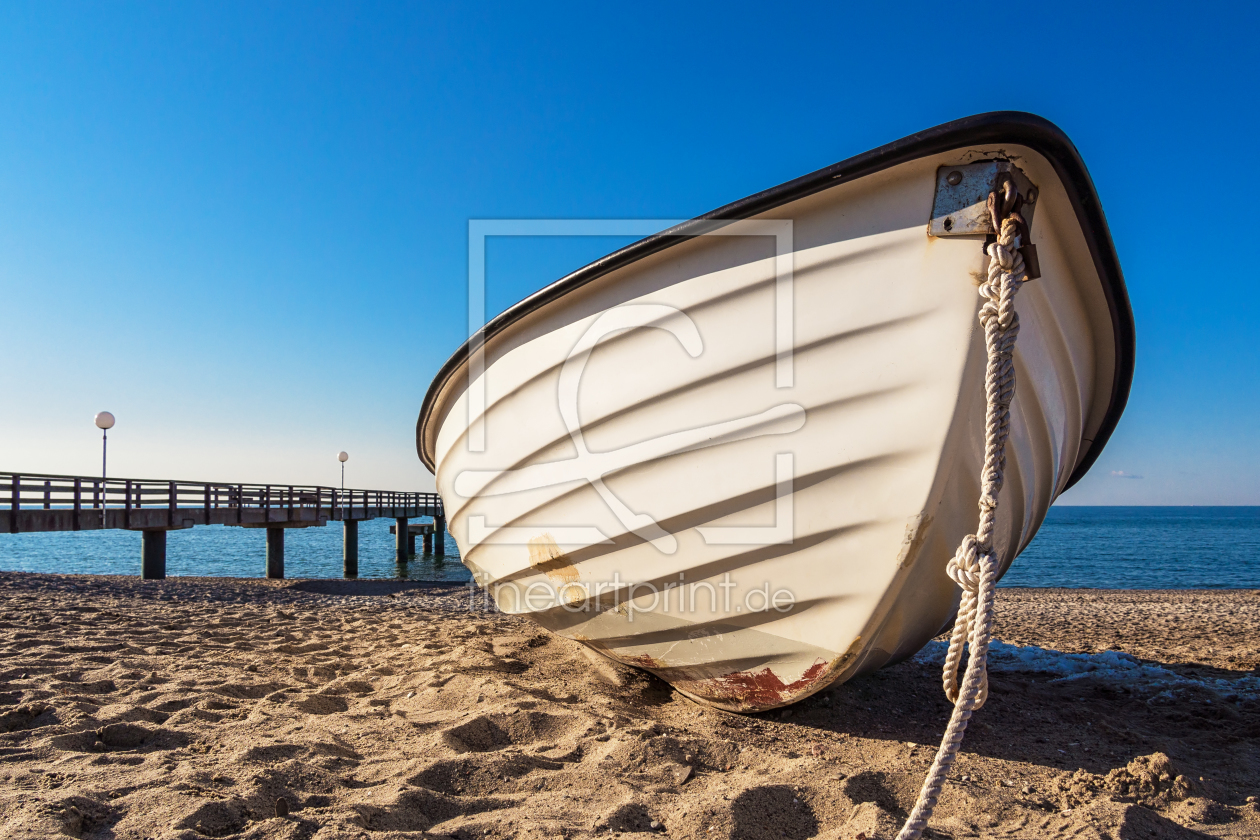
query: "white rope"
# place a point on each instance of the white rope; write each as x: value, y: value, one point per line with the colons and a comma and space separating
x: 974, y: 566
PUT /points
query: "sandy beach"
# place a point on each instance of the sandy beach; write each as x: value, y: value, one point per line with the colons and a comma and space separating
x: 200, y: 707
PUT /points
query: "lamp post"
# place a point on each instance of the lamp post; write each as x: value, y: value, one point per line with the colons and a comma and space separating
x: 104, y: 422
x: 343, y: 457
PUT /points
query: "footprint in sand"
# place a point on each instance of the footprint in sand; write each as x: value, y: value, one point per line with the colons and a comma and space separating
x: 120, y: 736
x: 321, y: 704
x: 487, y: 733
x: 130, y: 713
x: 27, y: 717
x: 430, y: 811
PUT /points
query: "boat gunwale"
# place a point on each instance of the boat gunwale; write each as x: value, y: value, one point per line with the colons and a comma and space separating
x: 1011, y: 127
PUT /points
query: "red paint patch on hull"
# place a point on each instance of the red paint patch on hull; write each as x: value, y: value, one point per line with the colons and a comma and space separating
x: 752, y: 691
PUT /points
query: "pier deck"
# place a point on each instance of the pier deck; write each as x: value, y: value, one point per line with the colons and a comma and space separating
x: 41, y: 503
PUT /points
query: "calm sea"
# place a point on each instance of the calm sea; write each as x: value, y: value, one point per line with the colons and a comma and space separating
x: 1143, y: 548
x: 219, y: 550
x: 1100, y: 547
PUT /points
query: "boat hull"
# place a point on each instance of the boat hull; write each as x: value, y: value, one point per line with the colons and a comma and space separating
x: 647, y: 465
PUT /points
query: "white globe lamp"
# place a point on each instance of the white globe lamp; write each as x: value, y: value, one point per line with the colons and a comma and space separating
x: 104, y: 421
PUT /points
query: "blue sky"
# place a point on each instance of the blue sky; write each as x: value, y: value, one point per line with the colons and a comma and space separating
x: 242, y: 227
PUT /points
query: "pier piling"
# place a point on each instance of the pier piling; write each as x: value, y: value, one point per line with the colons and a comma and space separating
x: 275, y: 553
x: 153, y: 555
x: 402, y: 540
x: 439, y: 535
x: 350, y: 548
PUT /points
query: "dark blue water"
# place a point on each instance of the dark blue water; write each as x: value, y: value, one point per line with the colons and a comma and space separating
x: 221, y: 551
x: 1099, y: 547
x: 1143, y: 548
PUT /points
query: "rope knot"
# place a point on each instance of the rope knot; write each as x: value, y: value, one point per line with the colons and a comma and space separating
x: 964, y: 567
x: 1004, y: 254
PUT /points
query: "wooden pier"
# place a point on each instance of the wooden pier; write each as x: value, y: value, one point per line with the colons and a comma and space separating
x: 41, y: 503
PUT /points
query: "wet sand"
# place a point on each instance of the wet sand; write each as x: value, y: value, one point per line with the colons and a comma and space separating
x: 200, y: 707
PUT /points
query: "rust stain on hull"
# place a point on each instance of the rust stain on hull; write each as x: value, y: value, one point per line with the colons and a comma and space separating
x: 916, y: 533
x: 750, y: 691
x: 546, y: 557
x: 643, y: 661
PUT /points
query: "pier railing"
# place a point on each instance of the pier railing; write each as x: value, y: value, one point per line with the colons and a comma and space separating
x: 35, y: 502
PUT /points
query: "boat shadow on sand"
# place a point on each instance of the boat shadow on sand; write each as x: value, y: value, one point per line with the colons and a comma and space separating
x: 1118, y: 731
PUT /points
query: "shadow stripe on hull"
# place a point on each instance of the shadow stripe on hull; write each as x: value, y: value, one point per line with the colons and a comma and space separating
x: 697, y: 516
x: 717, y: 376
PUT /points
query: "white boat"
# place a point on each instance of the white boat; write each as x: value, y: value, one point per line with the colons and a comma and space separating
x: 739, y: 453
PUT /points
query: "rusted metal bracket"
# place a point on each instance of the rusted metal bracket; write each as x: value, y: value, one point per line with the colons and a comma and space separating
x: 961, y: 206
x: 962, y: 195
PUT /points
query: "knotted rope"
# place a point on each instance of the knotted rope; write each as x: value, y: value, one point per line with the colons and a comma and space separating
x: 974, y: 566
